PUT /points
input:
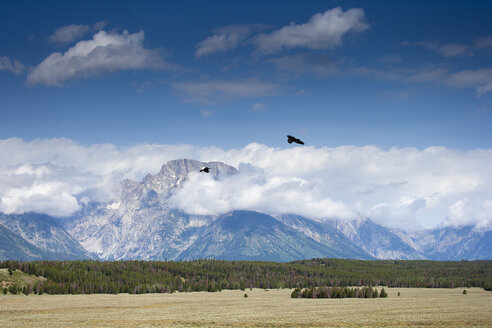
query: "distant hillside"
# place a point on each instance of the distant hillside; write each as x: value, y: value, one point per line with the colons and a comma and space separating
x: 33, y: 236
x: 19, y: 279
x: 247, y: 235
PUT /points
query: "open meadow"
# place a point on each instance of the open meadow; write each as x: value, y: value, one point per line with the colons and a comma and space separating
x: 416, y: 307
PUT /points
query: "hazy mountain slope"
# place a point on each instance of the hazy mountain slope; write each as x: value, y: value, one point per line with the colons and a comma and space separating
x: 339, y: 244
x: 246, y: 235
x: 379, y: 241
x: 13, y: 247
x: 454, y: 243
x: 45, y: 234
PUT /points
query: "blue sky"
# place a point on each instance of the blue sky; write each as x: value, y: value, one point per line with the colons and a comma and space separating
x: 404, y: 74
x: 393, y: 100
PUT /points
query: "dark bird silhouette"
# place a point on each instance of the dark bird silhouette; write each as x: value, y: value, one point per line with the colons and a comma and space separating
x: 205, y: 169
x: 291, y: 139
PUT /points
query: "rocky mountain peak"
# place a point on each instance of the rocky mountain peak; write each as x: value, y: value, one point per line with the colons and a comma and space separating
x: 174, y: 173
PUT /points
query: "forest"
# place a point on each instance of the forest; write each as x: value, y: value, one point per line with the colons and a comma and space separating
x: 137, y: 277
x: 338, y: 292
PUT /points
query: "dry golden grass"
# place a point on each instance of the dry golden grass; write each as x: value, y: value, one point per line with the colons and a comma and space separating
x: 274, y: 308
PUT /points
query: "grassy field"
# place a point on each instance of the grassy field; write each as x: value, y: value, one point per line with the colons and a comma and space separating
x: 273, y: 308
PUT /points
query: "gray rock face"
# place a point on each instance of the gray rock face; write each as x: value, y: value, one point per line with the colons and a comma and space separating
x: 140, y: 224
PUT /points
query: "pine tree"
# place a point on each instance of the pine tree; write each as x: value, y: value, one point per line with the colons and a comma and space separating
x: 296, y: 293
x: 383, y: 294
x: 13, y: 289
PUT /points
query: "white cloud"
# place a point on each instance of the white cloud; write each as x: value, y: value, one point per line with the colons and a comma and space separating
x: 12, y: 65
x: 221, y: 90
x: 468, y: 211
x: 226, y: 38
x: 322, y: 31
x: 399, y: 187
x: 255, y: 189
x: 105, y: 53
x: 73, y: 32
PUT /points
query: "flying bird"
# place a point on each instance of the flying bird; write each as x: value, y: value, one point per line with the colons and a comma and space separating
x: 291, y: 139
x: 205, y: 169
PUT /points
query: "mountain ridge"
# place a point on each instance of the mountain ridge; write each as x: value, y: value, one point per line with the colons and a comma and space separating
x: 140, y: 224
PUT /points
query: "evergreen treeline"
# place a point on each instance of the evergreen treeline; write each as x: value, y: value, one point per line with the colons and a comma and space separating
x: 135, y: 277
x: 338, y: 292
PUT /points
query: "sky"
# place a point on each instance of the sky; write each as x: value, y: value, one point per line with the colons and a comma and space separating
x: 393, y: 100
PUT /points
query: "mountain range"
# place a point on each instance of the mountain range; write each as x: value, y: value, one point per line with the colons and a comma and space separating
x: 141, y: 224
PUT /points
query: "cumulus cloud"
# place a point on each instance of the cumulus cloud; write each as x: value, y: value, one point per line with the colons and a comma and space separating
x: 322, y: 31
x: 257, y: 190
x: 226, y: 38
x: 105, y: 53
x: 399, y: 187
x: 12, y: 65
x: 73, y: 32
x: 214, y: 91
x: 470, y: 211
x: 56, y: 176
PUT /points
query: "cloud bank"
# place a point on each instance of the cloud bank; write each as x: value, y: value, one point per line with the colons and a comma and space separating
x: 105, y: 53
x: 399, y: 187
